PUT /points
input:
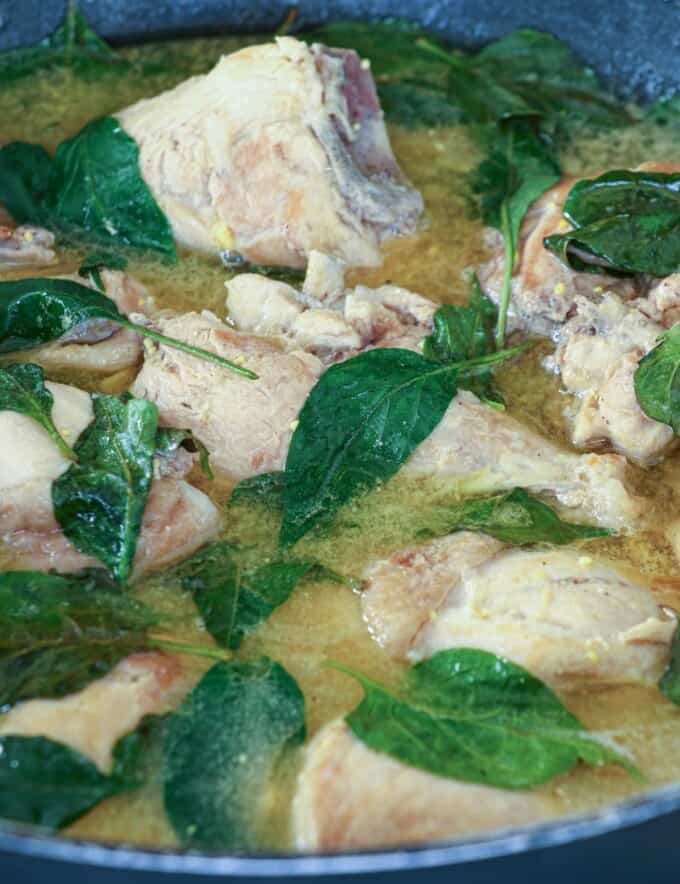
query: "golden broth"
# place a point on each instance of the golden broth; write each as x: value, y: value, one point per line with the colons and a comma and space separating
x: 322, y: 622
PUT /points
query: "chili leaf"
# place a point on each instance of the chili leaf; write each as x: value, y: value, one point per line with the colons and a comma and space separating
x: 168, y: 440
x: 514, y: 517
x: 37, y: 311
x: 624, y: 222
x: 669, y: 685
x: 361, y: 421
x: 234, y: 596
x: 266, y: 488
x: 472, y: 716
x: 657, y: 380
x: 58, y: 633
x: 221, y: 750
x: 73, y: 44
x: 462, y: 333
x: 48, y: 784
x: 92, y: 189
x: 99, y: 501
x: 22, y: 389
x: 518, y: 168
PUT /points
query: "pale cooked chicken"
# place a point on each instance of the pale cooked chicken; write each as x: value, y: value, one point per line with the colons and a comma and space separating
x: 177, y: 520
x: 559, y: 613
x: 598, y: 353
x: 349, y: 796
x: 224, y: 410
x: 487, y: 450
x: 279, y: 150
x: 602, y: 329
x: 246, y: 425
x: 25, y: 246
x: 92, y: 720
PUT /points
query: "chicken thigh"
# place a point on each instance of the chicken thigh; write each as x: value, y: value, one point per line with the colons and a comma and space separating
x: 279, y: 150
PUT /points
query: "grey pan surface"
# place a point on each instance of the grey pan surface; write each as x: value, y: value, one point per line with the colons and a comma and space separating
x: 635, y: 46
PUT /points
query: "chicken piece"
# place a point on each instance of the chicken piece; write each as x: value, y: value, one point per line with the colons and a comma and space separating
x: 488, y: 451
x: 92, y: 720
x: 598, y: 353
x: 25, y: 246
x: 177, y: 520
x: 543, y: 288
x: 562, y: 615
x: 356, y: 320
x: 279, y: 150
x: 246, y: 425
x: 324, y: 280
x: 351, y: 797
x: 99, y: 346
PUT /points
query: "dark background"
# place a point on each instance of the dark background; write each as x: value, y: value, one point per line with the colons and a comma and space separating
x: 635, y: 46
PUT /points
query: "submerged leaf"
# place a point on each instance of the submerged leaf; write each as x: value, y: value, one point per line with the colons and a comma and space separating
x: 234, y: 596
x: 22, y: 389
x: 514, y: 517
x: 472, y: 716
x: 99, y: 502
x: 266, y: 489
x: 59, y: 632
x: 221, y: 750
x: 670, y: 681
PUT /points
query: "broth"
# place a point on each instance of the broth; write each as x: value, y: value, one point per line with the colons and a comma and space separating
x: 322, y: 621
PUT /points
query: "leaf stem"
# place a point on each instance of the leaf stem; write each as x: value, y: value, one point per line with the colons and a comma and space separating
x: 506, y: 285
x: 192, y: 650
x: 62, y: 444
x: 188, y: 348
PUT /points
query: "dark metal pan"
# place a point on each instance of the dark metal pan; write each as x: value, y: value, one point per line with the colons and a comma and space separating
x: 635, y: 47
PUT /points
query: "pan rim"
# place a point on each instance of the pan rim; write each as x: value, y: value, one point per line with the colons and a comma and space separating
x: 31, y: 843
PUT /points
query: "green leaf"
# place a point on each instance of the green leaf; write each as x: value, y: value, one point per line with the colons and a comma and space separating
x: 58, y: 633
x: 168, y: 440
x: 25, y: 182
x: 518, y: 168
x: 37, y: 311
x: 221, y: 751
x: 669, y: 685
x: 266, y: 489
x: 49, y: 784
x: 98, y: 188
x: 462, y: 333
x: 514, y: 517
x: 624, y: 222
x: 22, y: 389
x: 657, y: 381
x: 73, y: 44
x: 95, y: 262
x: 99, y: 501
x: 527, y: 73
x: 92, y: 189
x: 234, y: 596
x: 472, y: 716
x: 360, y: 422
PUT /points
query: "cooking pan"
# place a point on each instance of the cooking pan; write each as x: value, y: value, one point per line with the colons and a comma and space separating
x: 635, y: 47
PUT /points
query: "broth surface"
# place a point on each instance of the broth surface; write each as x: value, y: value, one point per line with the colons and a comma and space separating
x: 322, y: 621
